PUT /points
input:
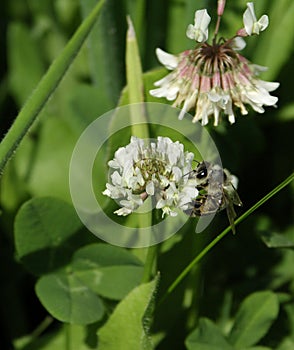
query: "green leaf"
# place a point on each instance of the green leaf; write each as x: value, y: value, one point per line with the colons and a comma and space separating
x: 105, y: 49
x: 134, y: 68
x: 71, y: 295
x: 83, y: 112
x: 257, y: 348
x: 68, y: 299
x: 275, y: 240
x: 46, y: 234
x: 254, y: 318
x: 128, y: 326
x: 108, y: 270
x: 207, y: 336
x: 77, y: 336
x: 49, y: 172
x: 287, y: 344
x: 135, y: 84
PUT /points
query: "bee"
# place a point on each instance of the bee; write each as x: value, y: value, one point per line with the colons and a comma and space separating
x: 216, y: 192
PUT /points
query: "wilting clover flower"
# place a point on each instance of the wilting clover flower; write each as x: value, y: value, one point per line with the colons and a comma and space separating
x: 155, y: 169
x: 213, y: 78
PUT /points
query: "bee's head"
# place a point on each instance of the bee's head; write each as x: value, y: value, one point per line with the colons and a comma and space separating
x: 202, y: 170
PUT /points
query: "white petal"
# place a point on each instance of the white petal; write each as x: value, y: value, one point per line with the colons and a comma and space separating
x: 188, y: 104
x: 232, y: 118
x: 165, y: 80
x: 238, y: 43
x: 216, y: 115
x: 256, y: 106
x: 170, y: 93
x: 268, y: 85
x: 123, y: 212
x: 249, y: 18
x: 177, y: 173
x: 168, y: 60
x: 263, y: 22
x: 116, y: 178
x: 199, y: 31
x: 252, y: 26
x: 262, y: 97
x: 202, y: 20
x: 150, y: 188
x: 190, y: 32
x: 257, y: 68
x: 160, y: 204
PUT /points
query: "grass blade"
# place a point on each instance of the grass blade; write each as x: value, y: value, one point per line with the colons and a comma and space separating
x: 44, y: 90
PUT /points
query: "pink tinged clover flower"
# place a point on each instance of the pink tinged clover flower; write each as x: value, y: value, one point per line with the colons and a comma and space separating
x: 214, y: 78
x: 158, y: 170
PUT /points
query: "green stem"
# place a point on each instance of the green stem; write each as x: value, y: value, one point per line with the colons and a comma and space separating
x: 42, y: 327
x: 183, y: 274
x: 68, y: 336
x: 150, y: 263
x: 151, y: 257
x: 45, y: 88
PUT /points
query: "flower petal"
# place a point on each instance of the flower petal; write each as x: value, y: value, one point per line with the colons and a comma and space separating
x: 150, y: 188
x: 263, y: 22
x: 249, y: 18
x: 168, y: 60
x: 199, y: 31
x: 238, y: 43
x: 252, y: 26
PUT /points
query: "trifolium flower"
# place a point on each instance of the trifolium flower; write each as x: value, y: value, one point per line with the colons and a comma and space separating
x: 214, y: 78
x: 156, y: 169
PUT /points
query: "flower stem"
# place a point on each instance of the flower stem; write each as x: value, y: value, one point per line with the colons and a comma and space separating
x: 216, y: 28
x: 220, y: 10
x: 42, y: 327
x: 150, y: 263
x: 151, y: 257
x: 28, y: 114
x: 68, y: 336
x: 183, y: 274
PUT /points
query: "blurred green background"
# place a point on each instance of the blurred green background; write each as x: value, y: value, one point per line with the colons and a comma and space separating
x: 257, y: 148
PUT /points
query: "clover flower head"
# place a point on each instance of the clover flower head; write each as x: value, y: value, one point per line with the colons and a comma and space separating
x: 214, y: 79
x: 154, y: 169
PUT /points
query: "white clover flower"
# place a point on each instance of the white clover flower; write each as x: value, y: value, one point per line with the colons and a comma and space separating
x: 199, y: 31
x: 251, y: 24
x: 214, y: 79
x: 157, y: 169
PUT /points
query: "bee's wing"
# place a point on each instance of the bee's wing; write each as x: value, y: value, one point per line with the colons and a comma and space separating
x: 230, y: 210
x: 233, y: 194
